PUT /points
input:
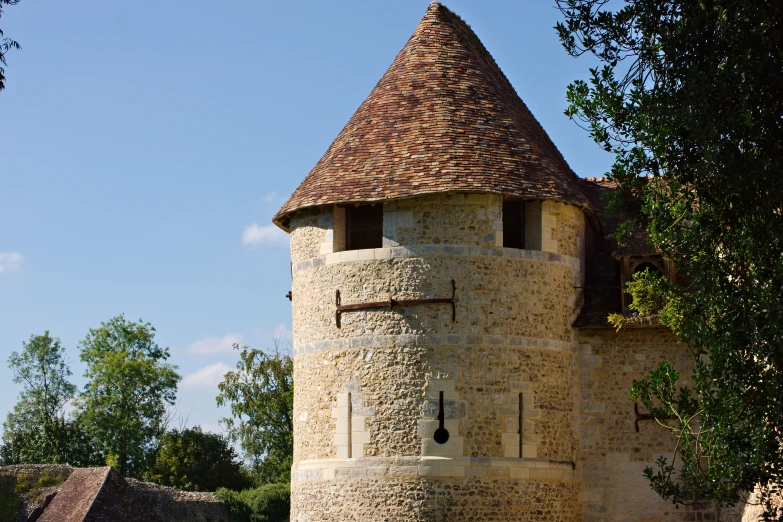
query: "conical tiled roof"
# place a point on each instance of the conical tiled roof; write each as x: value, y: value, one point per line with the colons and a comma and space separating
x: 444, y: 118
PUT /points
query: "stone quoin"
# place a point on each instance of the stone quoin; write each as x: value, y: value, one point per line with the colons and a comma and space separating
x: 443, y: 175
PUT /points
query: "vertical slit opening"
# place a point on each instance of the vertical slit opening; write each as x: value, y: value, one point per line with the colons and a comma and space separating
x: 350, y: 425
x: 521, y: 420
x: 441, y: 434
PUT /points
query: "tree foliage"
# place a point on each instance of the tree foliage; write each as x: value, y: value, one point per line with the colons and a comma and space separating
x: 74, y: 446
x: 36, y: 429
x: 689, y: 97
x: 123, y: 405
x: 6, y: 44
x: 654, y: 299
x: 194, y: 460
x: 261, y: 393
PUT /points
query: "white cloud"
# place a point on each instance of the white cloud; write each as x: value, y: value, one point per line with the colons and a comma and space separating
x: 210, y: 345
x: 270, y: 197
x: 206, y: 377
x: 10, y: 261
x: 269, y: 235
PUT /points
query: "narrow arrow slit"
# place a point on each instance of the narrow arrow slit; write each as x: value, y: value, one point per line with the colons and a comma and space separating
x: 441, y: 434
x: 521, y: 420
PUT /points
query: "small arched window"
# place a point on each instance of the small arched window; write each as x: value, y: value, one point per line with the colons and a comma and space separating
x: 637, y: 264
x: 647, y: 266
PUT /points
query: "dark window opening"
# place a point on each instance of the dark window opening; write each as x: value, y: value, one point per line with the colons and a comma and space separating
x: 364, y: 227
x: 513, y: 223
x: 647, y: 266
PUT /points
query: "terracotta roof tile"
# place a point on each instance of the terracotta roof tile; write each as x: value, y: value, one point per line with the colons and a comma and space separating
x: 444, y: 118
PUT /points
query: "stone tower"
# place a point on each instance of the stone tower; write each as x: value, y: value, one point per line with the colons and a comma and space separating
x: 438, y: 259
x: 441, y: 175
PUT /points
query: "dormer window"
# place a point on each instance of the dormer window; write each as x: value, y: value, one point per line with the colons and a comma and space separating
x: 513, y: 223
x: 364, y: 227
x: 633, y: 264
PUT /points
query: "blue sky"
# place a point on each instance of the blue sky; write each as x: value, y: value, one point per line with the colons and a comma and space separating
x: 146, y: 147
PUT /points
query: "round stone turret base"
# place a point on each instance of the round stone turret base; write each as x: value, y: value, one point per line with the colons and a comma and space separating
x: 434, y: 489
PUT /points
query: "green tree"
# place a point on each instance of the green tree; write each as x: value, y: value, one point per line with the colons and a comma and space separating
x: 6, y: 44
x: 261, y: 396
x: 192, y: 460
x: 689, y: 97
x: 129, y: 385
x: 36, y: 430
x: 76, y: 448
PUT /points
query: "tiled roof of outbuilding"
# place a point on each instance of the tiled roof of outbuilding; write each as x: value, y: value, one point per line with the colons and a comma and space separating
x: 444, y: 118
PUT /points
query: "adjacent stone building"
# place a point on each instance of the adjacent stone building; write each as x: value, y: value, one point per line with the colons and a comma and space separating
x: 451, y: 282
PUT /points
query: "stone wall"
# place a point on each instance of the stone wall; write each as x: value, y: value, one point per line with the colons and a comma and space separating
x: 555, y: 227
x: 309, y: 228
x: 447, y: 219
x: 431, y: 500
x: 500, y: 291
x: 565, y: 225
x: 179, y: 506
x: 35, y: 472
x: 612, y: 454
x: 391, y: 382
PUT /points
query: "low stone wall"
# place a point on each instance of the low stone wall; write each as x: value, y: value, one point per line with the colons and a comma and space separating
x: 37, y: 471
x: 179, y: 506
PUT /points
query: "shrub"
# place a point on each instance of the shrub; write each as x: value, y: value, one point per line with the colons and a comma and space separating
x: 237, y: 509
x: 9, y: 504
x: 268, y: 503
x: 24, y: 483
x: 46, y: 480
